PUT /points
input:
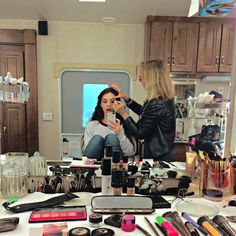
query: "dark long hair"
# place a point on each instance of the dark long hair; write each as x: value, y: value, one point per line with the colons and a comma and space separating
x: 98, y: 113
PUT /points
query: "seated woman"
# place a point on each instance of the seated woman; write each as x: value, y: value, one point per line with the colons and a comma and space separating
x: 98, y: 133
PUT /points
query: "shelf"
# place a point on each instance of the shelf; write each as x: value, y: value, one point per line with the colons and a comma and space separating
x: 220, y: 105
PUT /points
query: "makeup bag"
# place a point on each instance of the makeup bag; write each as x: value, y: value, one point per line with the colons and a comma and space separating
x: 109, y: 204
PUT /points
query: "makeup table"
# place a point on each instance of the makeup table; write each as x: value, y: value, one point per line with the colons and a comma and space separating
x: 35, y: 229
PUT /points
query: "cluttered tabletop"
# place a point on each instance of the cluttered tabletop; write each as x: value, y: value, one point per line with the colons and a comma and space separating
x: 157, y: 200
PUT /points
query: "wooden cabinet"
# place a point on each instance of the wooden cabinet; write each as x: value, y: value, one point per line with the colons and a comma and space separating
x: 173, y: 42
x: 193, y: 45
x: 19, y: 122
x: 215, y: 51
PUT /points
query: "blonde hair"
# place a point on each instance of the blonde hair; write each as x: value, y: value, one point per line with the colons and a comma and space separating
x: 157, y: 80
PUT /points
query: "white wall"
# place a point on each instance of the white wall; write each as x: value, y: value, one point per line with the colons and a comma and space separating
x: 72, y: 42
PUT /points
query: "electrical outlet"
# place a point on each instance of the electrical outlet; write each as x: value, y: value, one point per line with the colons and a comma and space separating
x: 47, y: 116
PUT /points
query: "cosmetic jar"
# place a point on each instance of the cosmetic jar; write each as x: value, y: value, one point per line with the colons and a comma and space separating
x: 116, y: 181
x: 213, y: 194
x: 103, y: 232
x: 79, y: 231
x: 128, y: 223
x: 95, y: 220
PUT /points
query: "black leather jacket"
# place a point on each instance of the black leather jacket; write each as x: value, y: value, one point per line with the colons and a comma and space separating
x: 156, y: 126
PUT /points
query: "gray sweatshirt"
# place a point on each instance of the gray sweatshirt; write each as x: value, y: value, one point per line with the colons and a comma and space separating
x: 95, y: 128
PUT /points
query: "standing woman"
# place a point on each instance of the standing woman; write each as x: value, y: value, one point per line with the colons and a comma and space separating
x: 156, y: 125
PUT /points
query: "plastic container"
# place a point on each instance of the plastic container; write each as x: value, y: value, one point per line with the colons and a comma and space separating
x: 14, y: 181
x: 95, y: 220
x: 38, y: 165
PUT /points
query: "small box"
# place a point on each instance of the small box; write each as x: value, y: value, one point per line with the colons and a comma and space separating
x: 59, y: 228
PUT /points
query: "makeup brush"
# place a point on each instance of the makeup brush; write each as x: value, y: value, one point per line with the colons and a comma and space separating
x: 224, y: 224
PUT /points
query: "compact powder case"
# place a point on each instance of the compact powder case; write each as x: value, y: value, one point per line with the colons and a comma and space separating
x: 79, y: 231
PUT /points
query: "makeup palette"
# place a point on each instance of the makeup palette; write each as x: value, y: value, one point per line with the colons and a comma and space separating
x: 65, y: 213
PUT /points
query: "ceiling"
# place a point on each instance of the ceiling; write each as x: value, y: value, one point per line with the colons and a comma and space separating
x: 125, y: 11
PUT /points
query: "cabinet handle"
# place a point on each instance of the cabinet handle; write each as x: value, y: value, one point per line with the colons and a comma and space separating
x: 168, y: 60
x: 217, y: 61
x: 4, y: 129
x: 222, y: 61
x: 173, y: 60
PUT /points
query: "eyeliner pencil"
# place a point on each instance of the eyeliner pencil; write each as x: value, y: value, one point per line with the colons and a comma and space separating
x: 152, y: 227
x: 143, y: 230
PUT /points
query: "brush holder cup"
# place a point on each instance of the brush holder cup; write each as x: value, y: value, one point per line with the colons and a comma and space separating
x: 14, y: 181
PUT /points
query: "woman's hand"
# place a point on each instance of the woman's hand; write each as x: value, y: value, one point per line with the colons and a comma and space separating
x: 121, y: 94
x: 115, y: 126
x: 119, y: 107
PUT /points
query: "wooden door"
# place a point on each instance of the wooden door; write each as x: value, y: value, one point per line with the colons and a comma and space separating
x: 209, y: 47
x: 12, y: 61
x: 160, y: 41
x: 184, y: 47
x: 13, y: 116
x: 227, y: 43
x: 13, y: 128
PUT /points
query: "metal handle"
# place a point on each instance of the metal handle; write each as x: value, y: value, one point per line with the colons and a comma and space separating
x: 4, y: 129
x: 217, y: 61
x: 168, y: 60
x: 222, y: 61
x: 173, y: 60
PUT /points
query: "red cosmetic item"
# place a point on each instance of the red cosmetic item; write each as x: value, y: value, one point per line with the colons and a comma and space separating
x: 128, y: 223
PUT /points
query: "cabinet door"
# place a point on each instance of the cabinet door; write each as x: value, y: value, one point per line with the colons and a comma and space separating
x: 13, y: 128
x: 12, y: 61
x: 209, y: 47
x: 184, y: 46
x: 227, y: 44
x: 160, y: 41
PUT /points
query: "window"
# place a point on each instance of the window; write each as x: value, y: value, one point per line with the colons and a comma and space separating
x: 79, y: 90
x: 90, y: 94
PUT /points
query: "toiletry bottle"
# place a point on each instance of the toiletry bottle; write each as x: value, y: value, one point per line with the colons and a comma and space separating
x: 66, y: 147
x: 115, y: 159
x: 106, y: 176
x: 116, y: 181
x: 131, y: 186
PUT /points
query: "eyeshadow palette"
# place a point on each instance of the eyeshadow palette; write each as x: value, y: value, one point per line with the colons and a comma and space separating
x: 64, y: 213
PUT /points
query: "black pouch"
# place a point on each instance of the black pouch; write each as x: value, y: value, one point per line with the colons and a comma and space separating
x: 34, y: 205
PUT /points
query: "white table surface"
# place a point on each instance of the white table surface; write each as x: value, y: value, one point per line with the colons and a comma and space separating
x: 25, y: 229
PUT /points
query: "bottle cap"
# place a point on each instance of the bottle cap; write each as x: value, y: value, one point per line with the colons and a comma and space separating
x: 106, y: 166
x: 108, y: 150
x: 116, y: 156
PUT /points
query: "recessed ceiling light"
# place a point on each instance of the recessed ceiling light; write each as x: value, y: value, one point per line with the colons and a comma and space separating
x: 109, y: 19
x: 92, y: 0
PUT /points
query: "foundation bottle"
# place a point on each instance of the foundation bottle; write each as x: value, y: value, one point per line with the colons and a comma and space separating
x: 116, y: 181
x: 115, y: 159
x: 131, y: 186
x: 106, y: 176
x: 125, y: 163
